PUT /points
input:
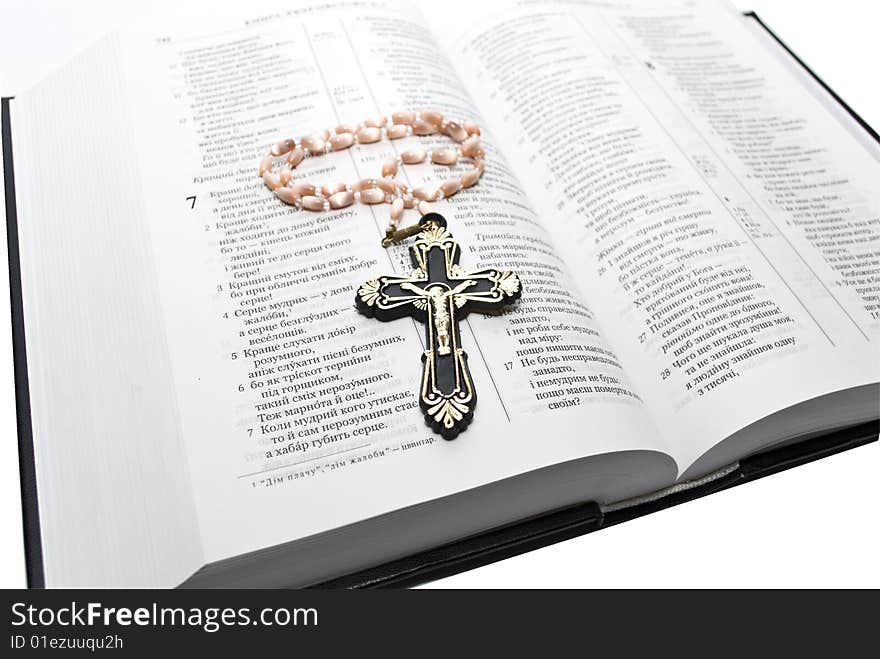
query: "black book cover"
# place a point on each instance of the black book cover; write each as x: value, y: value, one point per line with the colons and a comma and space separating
x: 497, y: 544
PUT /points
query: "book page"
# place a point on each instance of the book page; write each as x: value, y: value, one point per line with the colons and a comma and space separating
x: 299, y: 414
x: 723, y: 224
x: 98, y: 401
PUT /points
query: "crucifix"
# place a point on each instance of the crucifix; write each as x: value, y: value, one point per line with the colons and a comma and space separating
x: 439, y: 293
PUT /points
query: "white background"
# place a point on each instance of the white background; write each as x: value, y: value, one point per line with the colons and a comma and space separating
x: 814, y: 526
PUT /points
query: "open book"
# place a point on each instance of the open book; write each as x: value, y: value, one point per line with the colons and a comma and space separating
x: 695, y: 221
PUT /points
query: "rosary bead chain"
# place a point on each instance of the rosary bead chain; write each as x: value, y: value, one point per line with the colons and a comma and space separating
x: 277, y: 167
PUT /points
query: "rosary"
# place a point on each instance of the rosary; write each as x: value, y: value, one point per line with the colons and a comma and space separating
x: 438, y: 292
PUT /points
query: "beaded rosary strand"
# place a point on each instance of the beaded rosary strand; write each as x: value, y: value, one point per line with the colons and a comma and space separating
x: 277, y: 167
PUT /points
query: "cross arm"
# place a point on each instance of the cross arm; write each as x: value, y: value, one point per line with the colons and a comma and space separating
x: 490, y: 290
x: 392, y: 297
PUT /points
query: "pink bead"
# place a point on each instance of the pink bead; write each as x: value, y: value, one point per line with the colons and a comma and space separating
x: 272, y: 181
x: 413, y: 156
x: 470, y: 146
x: 313, y: 203
x: 364, y: 184
x: 397, y: 209
x: 341, y: 199
x: 470, y: 178
x: 314, y: 143
x: 422, y: 127
x: 302, y: 188
x: 372, y: 196
x: 287, y: 196
x: 295, y: 157
x: 369, y: 135
x: 425, y: 194
x: 432, y: 116
x: 403, y: 118
x: 450, y: 186
x: 455, y: 130
x: 396, y: 131
x: 284, y: 175
x: 386, y: 185
x: 332, y: 189
x: 341, y: 141
x: 283, y: 147
x: 444, y: 157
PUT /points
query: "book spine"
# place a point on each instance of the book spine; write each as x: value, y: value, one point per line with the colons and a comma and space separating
x: 864, y: 124
x: 26, y: 465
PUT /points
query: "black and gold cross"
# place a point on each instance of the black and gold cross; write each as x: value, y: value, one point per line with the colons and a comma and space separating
x: 439, y: 293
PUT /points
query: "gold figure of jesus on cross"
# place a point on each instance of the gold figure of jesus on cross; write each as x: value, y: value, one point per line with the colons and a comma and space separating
x: 439, y: 293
